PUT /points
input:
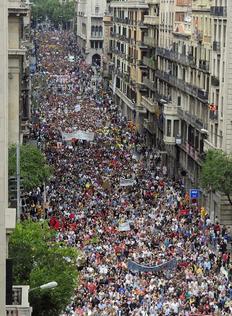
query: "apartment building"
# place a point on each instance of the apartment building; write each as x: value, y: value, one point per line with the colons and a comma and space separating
x: 172, y: 77
x: 3, y: 150
x: 107, y: 51
x: 153, y: 121
x: 90, y: 29
x: 18, y: 63
x: 128, y: 49
x: 219, y: 135
x: 10, y: 67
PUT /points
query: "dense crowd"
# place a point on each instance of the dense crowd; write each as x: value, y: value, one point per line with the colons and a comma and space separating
x: 149, y: 221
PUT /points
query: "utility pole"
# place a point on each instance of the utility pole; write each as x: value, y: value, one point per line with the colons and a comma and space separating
x: 18, y: 180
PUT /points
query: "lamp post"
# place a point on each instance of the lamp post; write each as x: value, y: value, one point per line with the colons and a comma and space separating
x: 46, y: 286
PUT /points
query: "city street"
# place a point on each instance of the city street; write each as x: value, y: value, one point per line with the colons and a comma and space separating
x: 146, y: 249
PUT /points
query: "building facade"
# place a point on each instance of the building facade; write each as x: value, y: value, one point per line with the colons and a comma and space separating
x: 3, y: 150
x: 9, y: 34
x: 171, y: 77
x: 18, y: 63
x: 90, y: 29
x: 128, y: 49
x: 107, y: 47
x: 219, y: 135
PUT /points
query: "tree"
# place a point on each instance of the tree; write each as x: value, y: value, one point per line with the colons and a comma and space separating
x: 216, y: 173
x: 56, y: 11
x: 33, y: 167
x: 38, y: 259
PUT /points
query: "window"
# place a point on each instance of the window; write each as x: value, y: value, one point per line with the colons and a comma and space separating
x: 215, y: 135
x: 179, y: 100
x: 169, y: 130
x: 221, y: 139
x: 96, y: 10
x: 176, y: 128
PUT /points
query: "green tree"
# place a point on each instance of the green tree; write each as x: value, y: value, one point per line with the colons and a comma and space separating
x: 38, y: 259
x: 56, y: 11
x: 216, y: 174
x: 33, y: 167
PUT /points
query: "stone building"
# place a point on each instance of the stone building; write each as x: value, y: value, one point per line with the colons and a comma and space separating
x: 18, y: 63
x: 3, y: 150
x: 172, y: 78
x: 128, y: 49
x: 90, y: 29
x: 10, y: 69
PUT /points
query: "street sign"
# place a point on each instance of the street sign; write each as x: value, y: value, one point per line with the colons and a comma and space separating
x: 194, y: 193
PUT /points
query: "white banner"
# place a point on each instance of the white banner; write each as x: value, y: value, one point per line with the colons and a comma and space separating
x: 82, y: 135
x: 127, y: 182
x: 77, y: 108
x: 124, y: 227
x: 85, y: 135
x: 114, y: 84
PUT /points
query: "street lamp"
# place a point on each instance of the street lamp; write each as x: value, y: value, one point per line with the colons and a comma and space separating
x: 46, y: 286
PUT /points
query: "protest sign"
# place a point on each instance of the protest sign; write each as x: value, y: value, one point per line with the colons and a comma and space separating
x: 124, y: 227
x: 82, y: 135
x: 85, y: 135
x: 77, y: 108
x: 134, y: 266
x: 126, y: 182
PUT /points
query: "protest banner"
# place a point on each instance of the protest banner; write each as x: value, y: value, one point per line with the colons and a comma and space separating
x: 85, y: 135
x: 124, y: 227
x: 134, y: 266
x: 82, y: 135
x: 77, y: 108
x: 127, y: 182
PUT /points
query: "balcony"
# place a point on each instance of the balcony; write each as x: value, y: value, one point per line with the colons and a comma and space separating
x: 150, y: 62
x: 17, y: 51
x: 150, y: 105
x: 21, y: 7
x: 96, y: 36
x: 150, y: 84
x: 107, y: 19
x: 152, y: 1
x: 182, y: 29
x: 186, y: 60
x: 204, y: 65
x: 191, y: 119
x: 192, y: 152
x: 150, y: 41
x: 170, y: 110
x: 20, y: 305
x: 208, y: 145
x: 125, y: 99
x: 142, y: 25
x: 142, y: 45
x: 141, y: 87
x: 218, y: 11
x: 150, y: 126
x: 151, y: 20
x: 202, y: 95
x: 169, y: 140
x: 142, y: 65
x: 215, y: 81
x: 182, y: 85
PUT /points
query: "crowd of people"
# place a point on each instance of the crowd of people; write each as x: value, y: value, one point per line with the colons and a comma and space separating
x: 118, y: 205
